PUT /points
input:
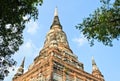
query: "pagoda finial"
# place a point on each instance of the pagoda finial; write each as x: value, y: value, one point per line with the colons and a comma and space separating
x: 56, y: 12
x: 56, y: 20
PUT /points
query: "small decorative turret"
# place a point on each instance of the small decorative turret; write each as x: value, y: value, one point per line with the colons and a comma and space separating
x: 20, y: 70
x: 95, y: 70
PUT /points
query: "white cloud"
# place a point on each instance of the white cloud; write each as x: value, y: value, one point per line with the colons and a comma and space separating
x: 29, y: 47
x: 28, y: 44
x: 32, y: 27
x: 29, y: 50
x: 81, y: 40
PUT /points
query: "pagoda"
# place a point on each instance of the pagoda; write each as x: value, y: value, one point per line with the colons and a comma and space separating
x: 56, y: 61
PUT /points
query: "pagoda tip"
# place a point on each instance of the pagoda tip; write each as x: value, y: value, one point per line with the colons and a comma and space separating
x: 92, y: 57
x: 56, y: 11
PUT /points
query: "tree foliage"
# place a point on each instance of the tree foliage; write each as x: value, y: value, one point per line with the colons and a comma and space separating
x: 104, y: 24
x: 12, y: 24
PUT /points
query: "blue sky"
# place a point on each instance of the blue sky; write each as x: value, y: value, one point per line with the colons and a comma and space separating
x: 70, y: 14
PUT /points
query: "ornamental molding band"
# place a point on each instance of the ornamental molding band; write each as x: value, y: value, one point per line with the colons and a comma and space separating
x: 56, y: 61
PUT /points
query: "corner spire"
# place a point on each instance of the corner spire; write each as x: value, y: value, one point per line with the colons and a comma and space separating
x: 95, y: 70
x: 94, y: 66
x: 20, y: 70
x: 22, y: 64
x: 56, y: 22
